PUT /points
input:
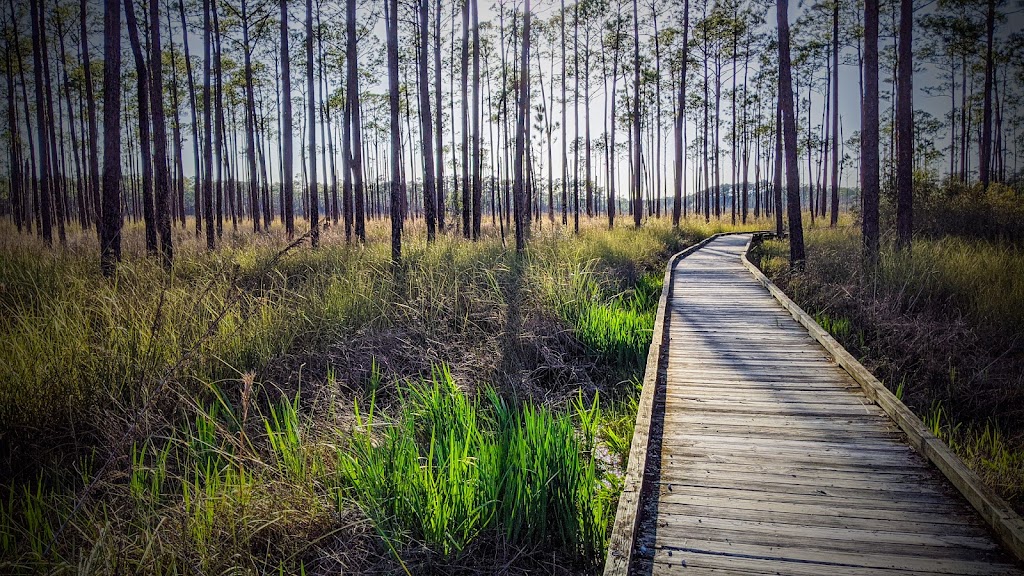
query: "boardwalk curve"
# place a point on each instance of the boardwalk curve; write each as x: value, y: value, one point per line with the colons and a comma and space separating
x: 762, y: 455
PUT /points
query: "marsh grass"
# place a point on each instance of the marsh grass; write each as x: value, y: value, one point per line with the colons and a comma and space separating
x: 447, y: 469
x: 941, y: 325
x: 210, y: 411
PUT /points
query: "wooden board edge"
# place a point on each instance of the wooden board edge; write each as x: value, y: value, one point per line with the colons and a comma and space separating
x: 997, y: 513
x: 624, y: 527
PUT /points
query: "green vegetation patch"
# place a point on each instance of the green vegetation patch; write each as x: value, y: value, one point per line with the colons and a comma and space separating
x: 449, y: 469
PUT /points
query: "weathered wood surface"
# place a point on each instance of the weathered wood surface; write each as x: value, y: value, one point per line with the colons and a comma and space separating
x: 764, y: 456
x: 627, y: 516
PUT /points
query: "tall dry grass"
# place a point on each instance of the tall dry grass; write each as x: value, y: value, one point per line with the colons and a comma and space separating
x: 215, y: 403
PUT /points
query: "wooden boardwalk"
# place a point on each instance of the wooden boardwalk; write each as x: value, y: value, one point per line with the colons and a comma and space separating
x: 766, y: 457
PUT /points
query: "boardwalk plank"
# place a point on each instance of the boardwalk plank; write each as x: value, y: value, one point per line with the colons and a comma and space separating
x: 696, y: 561
x: 827, y: 539
x: 828, y: 516
x: 668, y: 492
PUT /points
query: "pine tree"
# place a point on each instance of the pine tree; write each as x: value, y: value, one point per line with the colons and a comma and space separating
x: 796, y: 234
x: 287, y: 152
x: 869, y: 135
x: 110, y: 235
x: 905, y: 129
x: 391, y: 22
x: 314, y: 204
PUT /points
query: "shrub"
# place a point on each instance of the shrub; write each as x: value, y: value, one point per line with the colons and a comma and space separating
x: 957, y: 209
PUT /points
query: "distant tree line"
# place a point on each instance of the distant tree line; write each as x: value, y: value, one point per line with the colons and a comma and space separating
x: 520, y: 115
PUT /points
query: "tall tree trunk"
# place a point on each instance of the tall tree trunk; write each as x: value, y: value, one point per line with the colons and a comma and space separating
x: 32, y: 191
x: 438, y: 120
x: 331, y: 205
x: 576, y: 116
x: 985, y: 151
x: 657, y: 112
x: 346, y: 155
x: 565, y: 154
x: 110, y: 233
x: 161, y: 177
x: 459, y: 198
x: 680, y: 159
x: 250, y: 120
x: 685, y: 143
x: 530, y: 184
x: 963, y: 118
x: 745, y: 140
x: 796, y: 233
x: 834, y: 216
x: 45, y: 184
x: 604, y: 117
x: 237, y: 170
x: 548, y: 101
x: 999, y: 151
x: 208, y: 125
x: 93, y: 135
x: 822, y: 177
x: 477, y: 153
x: 869, y: 135
x: 717, y: 135
x: 952, y: 120
x: 612, y: 200
x: 391, y: 23
x: 426, y: 124
x: 810, y: 149
x: 706, y: 137
x: 777, y: 179
x: 734, y: 171
x: 12, y: 126
x: 466, y: 191
x: 131, y: 201
x: 756, y: 135
x: 220, y: 133
x: 278, y: 107
x: 314, y: 204
x: 261, y: 143
x: 332, y: 208
x: 637, y: 198
x: 587, y: 172
x: 287, y: 153
x: 356, y: 124
x: 905, y: 129
x: 409, y: 209
x: 522, y: 117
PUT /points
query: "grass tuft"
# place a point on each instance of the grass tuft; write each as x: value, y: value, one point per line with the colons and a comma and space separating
x: 449, y: 468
